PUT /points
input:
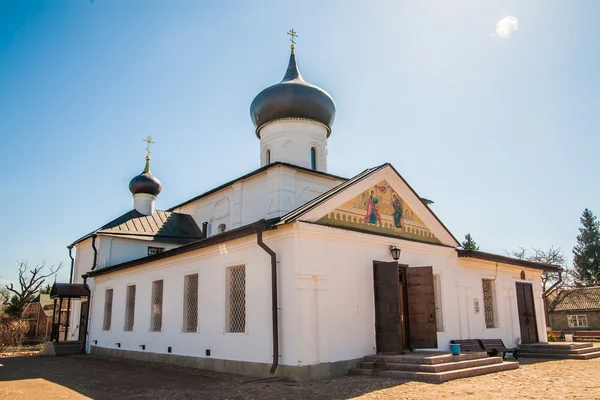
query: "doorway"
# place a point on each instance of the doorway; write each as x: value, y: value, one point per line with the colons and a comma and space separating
x: 526, y: 310
x: 404, y: 308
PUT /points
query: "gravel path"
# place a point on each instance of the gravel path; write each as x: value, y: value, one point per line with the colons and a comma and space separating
x: 79, y: 377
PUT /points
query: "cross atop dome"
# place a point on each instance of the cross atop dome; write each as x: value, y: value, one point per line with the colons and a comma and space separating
x: 293, y: 37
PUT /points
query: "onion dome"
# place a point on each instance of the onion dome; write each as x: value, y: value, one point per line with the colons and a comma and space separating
x: 145, y: 183
x: 292, y: 98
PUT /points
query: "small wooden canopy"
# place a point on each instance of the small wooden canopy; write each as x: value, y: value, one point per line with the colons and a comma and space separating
x: 69, y: 291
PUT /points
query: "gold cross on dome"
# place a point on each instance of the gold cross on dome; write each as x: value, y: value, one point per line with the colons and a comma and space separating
x: 293, y: 37
x: 149, y: 142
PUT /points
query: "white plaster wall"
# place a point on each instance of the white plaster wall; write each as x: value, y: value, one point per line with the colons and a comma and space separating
x: 335, y: 300
x: 114, y: 250
x: 211, y: 263
x: 269, y: 194
x: 290, y: 141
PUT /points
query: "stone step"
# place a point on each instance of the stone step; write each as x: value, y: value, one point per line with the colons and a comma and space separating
x: 559, y: 350
x: 433, y: 367
x: 424, y: 359
x: 439, y: 377
x: 561, y: 356
x: 555, y: 345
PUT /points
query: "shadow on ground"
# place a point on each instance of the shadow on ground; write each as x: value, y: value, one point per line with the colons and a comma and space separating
x: 78, y: 376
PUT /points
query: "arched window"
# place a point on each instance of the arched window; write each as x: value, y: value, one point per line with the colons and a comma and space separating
x: 313, y: 158
x: 268, y: 157
x: 222, y: 228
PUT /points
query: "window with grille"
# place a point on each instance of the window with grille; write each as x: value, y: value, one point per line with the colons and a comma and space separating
x: 222, y: 228
x: 129, y: 308
x: 488, y: 303
x: 190, y: 303
x: 439, y: 321
x: 108, y: 299
x: 236, y: 299
x: 157, y: 306
x: 155, y: 250
x: 577, y: 321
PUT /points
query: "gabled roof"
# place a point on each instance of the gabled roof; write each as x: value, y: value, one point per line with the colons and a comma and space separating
x: 577, y: 299
x: 301, y: 211
x: 162, y: 226
x: 256, y: 172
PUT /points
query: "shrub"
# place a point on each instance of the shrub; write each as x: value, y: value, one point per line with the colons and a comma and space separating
x: 551, y: 337
x: 12, y: 333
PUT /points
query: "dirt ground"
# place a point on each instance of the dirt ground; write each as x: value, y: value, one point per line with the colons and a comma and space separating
x: 82, y: 377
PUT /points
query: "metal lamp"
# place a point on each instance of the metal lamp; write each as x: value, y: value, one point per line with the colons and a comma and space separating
x: 395, y: 252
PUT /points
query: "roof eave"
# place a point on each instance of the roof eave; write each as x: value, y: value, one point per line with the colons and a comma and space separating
x: 481, y: 255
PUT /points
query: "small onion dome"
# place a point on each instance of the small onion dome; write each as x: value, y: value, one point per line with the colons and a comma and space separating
x: 292, y: 98
x: 145, y: 182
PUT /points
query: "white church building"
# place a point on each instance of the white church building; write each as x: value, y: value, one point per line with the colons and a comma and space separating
x: 291, y: 270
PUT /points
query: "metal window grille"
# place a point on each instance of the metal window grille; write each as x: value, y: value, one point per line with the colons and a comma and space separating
x: 129, y: 308
x: 222, y: 228
x: 108, y: 300
x: 237, y: 298
x: 488, y: 303
x: 155, y: 250
x: 439, y: 323
x: 190, y: 303
x: 157, y: 306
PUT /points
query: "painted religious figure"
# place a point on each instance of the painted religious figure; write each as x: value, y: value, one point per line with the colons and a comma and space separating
x: 397, y: 204
x: 372, y: 216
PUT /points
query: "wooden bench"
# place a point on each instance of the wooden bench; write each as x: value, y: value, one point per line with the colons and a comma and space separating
x: 468, y: 345
x: 495, y: 346
x: 586, y: 335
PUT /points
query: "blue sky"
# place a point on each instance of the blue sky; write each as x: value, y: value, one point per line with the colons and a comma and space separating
x: 500, y: 130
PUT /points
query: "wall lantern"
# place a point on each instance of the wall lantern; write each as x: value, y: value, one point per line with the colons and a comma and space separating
x: 395, y: 252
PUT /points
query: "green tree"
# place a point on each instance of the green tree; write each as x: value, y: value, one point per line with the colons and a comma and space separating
x: 469, y: 243
x: 586, y: 254
x: 46, y: 289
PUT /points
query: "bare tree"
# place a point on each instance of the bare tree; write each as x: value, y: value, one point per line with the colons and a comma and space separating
x: 30, y: 282
x: 551, y: 281
x: 4, y: 295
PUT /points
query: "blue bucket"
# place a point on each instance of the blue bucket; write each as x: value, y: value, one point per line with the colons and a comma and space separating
x: 455, y: 349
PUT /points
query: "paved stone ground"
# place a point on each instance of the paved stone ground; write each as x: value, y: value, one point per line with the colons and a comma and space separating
x: 78, y: 377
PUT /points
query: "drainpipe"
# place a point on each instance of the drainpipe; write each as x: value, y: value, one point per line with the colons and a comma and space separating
x: 259, y: 230
x: 70, y: 247
x: 94, y: 236
x: 87, y: 317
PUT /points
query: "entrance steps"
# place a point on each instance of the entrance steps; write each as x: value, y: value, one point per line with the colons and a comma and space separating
x: 576, y: 351
x: 434, y: 367
x: 63, y: 348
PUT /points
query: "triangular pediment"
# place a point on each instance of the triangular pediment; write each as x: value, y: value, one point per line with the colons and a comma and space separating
x: 380, y: 202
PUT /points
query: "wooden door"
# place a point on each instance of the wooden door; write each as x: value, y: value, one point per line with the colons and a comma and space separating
x: 421, y: 308
x: 388, y: 336
x: 526, y: 309
x: 83, y: 319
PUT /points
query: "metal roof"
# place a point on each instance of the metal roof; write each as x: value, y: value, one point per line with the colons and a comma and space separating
x: 481, y: 255
x: 69, y: 290
x: 162, y: 226
x: 577, y: 299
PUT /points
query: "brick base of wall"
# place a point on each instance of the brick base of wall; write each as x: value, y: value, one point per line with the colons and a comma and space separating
x: 259, y: 370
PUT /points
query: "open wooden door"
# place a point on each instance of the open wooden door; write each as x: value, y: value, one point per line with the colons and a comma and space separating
x: 421, y: 308
x: 388, y: 337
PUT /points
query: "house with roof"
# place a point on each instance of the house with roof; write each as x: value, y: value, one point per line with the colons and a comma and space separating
x: 291, y: 270
x: 38, y: 315
x: 575, y: 309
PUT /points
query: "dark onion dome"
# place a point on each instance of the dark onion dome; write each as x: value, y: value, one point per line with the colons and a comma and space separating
x: 292, y: 98
x: 145, y: 182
